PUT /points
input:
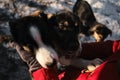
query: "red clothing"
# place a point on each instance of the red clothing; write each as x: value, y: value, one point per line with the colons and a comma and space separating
x: 109, y: 50
x: 45, y: 74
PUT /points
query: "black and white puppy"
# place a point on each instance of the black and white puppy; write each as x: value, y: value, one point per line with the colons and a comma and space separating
x: 48, y: 37
x: 51, y: 38
x: 91, y: 25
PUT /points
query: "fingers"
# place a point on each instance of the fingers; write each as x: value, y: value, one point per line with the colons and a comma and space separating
x: 94, y: 64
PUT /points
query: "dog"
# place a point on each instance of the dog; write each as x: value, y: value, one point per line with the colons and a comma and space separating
x: 91, y: 25
x: 48, y: 36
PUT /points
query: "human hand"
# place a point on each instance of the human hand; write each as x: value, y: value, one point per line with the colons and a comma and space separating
x: 92, y: 65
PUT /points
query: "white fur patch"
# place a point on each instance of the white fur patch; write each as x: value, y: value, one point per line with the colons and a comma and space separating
x: 44, y: 54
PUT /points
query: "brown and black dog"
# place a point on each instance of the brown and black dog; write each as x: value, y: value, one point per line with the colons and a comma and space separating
x: 48, y: 36
x: 91, y: 25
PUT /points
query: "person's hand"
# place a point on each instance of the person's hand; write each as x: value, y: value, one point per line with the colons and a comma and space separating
x: 92, y: 65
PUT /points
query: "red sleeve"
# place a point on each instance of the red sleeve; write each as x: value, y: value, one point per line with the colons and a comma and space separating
x: 45, y: 74
x: 99, y: 49
x: 116, y: 46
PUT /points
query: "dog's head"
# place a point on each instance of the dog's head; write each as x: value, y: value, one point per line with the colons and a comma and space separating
x: 100, y: 31
x: 65, y: 30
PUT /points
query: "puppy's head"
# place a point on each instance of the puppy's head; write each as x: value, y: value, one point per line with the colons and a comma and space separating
x: 66, y: 28
x: 100, y: 32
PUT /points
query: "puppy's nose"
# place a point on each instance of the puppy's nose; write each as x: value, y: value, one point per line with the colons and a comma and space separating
x: 53, y: 63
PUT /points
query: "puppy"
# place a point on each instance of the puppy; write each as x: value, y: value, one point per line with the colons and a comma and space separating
x: 91, y: 26
x: 48, y: 37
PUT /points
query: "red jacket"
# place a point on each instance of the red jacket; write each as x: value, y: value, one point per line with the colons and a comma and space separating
x: 109, y: 50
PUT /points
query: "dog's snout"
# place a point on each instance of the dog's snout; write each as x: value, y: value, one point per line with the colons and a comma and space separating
x: 53, y: 63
